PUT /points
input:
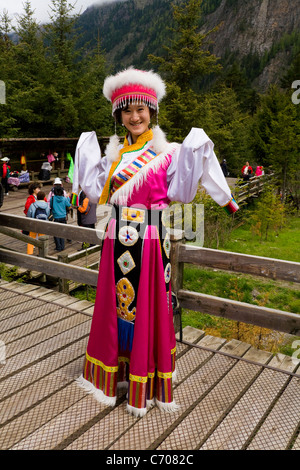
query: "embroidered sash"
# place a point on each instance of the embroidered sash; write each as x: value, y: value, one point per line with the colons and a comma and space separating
x: 140, y: 143
x: 131, y: 170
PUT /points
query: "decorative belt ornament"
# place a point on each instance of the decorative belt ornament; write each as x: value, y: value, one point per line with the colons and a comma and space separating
x: 128, y: 235
x: 133, y: 215
x: 125, y: 296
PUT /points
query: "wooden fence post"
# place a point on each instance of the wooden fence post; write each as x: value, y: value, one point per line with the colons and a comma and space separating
x: 177, y: 238
x: 43, y: 251
x: 62, y: 282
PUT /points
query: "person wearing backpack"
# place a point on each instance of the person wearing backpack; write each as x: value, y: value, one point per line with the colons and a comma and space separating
x: 33, y: 190
x: 37, y: 210
x: 59, y: 205
x: 57, y: 184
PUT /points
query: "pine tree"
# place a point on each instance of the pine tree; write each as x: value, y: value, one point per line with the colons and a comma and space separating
x: 60, y: 33
x: 8, y: 74
x: 269, y: 214
x: 187, y: 59
x: 285, y: 146
x: 228, y: 126
x: 276, y: 136
x: 32, y: 67
x: 235, y: 78
x: 64, y: 69
x: 95, y: 110
x: 186, y: 62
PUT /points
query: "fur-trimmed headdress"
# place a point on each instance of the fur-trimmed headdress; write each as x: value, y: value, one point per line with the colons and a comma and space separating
x: 134, y: 86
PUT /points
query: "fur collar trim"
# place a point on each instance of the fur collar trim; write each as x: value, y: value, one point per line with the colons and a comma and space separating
x: 159, y: 144
x: 164, y: 150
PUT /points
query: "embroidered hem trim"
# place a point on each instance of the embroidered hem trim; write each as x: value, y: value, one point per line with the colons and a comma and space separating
x: 137, y: 412
x: 100, y: 363
x: 141, y: 392
x: 103, y: 380
x: 97, y: 394
x: 231, y: 207
x: 167, y: 407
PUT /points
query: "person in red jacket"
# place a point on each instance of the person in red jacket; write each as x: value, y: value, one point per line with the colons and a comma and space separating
x: 247, y: 171
x: 33, y: 189
x: 5, y: 174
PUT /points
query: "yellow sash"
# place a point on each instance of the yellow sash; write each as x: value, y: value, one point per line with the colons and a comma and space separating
x: 140, y: 143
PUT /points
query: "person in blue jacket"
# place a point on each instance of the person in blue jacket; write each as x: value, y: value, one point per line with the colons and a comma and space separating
x: 37, y: 210
x: 59, y: 205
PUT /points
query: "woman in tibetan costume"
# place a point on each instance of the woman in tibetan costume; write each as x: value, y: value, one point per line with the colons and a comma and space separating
x: 132, y: 337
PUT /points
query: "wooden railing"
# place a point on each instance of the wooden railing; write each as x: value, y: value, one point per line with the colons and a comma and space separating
x: 252, y: 188
x: 275, y: 269
x: 180, y: 254
x: 43, y: 262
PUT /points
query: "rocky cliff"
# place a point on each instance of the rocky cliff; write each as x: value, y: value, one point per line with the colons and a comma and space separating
x: 262, y: 35
x: 255, y: 27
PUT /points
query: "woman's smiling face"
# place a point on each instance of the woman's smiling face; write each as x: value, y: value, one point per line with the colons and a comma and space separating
x: 136, y: 119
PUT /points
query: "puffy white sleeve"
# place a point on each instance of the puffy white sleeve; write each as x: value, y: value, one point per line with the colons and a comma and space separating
x: 90, y: 170
x: 195, y: 161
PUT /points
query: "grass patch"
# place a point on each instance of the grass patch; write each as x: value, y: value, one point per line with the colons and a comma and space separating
x: 284, y: 244
x: 243, y: 288
x: 84, y: 292
x: 8, y: 273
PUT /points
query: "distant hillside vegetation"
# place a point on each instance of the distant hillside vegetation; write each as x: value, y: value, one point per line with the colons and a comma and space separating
x: 263, y: 36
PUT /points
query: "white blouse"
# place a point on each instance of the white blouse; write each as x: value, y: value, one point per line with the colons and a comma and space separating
x: 192, y: 162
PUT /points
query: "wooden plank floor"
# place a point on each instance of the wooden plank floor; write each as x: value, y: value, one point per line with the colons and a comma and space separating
x: 231, y: 395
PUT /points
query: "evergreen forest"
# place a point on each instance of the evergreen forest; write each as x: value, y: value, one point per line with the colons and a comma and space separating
x: 53, y: 75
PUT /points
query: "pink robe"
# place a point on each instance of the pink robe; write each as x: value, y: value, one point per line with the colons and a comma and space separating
x: 147, y: 366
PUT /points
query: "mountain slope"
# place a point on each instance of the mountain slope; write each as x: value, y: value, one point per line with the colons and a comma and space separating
x: 262, y: 35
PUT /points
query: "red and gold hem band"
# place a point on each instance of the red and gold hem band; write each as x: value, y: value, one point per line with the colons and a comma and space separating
x: 140, y: 388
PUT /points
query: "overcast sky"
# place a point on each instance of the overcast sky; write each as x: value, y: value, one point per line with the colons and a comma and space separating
x: 41, y: 7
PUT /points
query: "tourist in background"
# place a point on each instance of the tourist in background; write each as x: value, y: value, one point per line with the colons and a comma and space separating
x: 37, y: 210
x: 33, y: 191
x: 59, y: 205
x: 247, y: 171
x: 259, y: 171
x: 1, y: 195
x: 57, y: 184
x: 5, y: 174
x: 224, y: 168
x: 86, y: 212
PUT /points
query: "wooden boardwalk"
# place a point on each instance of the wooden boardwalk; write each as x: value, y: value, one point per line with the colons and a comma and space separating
x: 14, y: 204
x: 231, y: 395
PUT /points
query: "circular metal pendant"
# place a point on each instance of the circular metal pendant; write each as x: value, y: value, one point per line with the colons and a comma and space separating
x: 128, y: 235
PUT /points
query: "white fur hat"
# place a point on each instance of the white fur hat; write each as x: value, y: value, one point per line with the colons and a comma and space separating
x: 134, y: 86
